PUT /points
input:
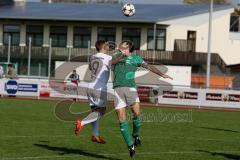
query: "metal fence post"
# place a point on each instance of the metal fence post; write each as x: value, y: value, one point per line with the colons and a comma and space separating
x: 88, y: 51
x: 9, y: 49
x: 39, y: 69
x: 49, y: 57
x: 208, y: 85
x: 29, y: 55
x: 69, y: 51
x: 154, y: 42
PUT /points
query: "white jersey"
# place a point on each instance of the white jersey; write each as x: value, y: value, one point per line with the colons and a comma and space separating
x: 100, y: 71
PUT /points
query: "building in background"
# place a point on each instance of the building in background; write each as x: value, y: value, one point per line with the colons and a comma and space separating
x: 181, y: 33
x: 81, y: 1
x: 6, y: 2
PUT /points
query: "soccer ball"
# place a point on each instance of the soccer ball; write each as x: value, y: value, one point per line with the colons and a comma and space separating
x: 128, y: 9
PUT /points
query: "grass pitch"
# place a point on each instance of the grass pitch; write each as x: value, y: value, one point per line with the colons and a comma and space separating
x: 29, y: 130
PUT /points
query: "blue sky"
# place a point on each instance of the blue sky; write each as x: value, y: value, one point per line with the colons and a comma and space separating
x: 152, y: 1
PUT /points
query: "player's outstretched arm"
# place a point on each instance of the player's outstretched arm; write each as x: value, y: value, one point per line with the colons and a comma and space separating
x: 155, y: 70
x: 117, y: 59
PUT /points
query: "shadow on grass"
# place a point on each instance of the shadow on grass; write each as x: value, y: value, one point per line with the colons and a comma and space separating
x: 219, y: 129
x: 64, y: 150
x: 225, y: 155
x: 44, y: 141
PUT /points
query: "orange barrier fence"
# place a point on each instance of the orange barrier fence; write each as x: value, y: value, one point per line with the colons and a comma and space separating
x: 216, y: 82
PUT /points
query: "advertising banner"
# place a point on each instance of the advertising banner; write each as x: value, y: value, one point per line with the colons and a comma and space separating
x: 20, y: 87
x: 144, y: 93
x: 61, y: 89
x: 201, y: 97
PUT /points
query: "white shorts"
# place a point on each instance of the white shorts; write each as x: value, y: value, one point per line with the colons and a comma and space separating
x: 125, y: 96
x: 97, y: 98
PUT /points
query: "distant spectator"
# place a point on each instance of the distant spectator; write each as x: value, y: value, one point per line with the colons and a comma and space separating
x: 74, y: 77
x: 1, y: 72
x: 12, y: 74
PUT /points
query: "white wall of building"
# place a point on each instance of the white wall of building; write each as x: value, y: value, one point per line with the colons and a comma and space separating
x: 181, y: 74
x: 225, y: 43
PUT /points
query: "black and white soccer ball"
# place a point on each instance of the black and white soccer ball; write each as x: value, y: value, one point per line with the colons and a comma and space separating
x: 128, y: 9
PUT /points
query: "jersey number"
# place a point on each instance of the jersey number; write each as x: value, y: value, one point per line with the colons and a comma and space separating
x: 94, y: 67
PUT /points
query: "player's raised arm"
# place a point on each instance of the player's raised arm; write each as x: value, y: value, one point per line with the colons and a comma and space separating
x: 117, y: 59
x: 120, y: 54
x: 155, y: 70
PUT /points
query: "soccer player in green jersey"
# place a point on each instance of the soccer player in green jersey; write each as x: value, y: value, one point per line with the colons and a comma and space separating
x: 126, y: 93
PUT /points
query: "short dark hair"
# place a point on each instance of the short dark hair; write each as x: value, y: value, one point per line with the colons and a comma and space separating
x: 130, y: 44
x: 99, y: 44
x: 10, y: 65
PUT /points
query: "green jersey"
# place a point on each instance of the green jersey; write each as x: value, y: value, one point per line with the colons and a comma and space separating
x: 124, y: 71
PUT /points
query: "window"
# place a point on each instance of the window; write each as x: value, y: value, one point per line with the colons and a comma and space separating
x: 160, y: 39
x: 235, y: 23
x: 81, y: 37
x: 59, y: 36
x: 12, y: 31
x: 107, y: 34
x: 132, y: 34
x: 36, y: 33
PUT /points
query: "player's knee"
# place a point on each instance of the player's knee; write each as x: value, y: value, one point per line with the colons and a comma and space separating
x: 121, y: 115
x: 136, y: 109
x: 136, y: 113
x: 121, y: 119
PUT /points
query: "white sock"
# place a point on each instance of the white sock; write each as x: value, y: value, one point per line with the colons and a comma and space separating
x: 92, y: 117
x: 95, y: 129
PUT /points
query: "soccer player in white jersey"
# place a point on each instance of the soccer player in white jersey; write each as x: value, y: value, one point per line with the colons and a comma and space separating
x: 97, y: 89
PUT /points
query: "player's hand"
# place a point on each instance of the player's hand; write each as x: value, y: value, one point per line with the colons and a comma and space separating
x: 167, y: 76
x: 121, y: 58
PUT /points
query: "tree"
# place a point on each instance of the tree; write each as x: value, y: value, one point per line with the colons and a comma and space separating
x: 206, y: 1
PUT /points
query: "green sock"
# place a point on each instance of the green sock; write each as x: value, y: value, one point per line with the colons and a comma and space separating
x: 136, y: 126
x: 125, y: 132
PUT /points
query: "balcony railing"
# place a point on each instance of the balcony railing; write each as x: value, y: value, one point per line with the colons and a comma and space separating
x: 182, y: 45
x: 81, y: 54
